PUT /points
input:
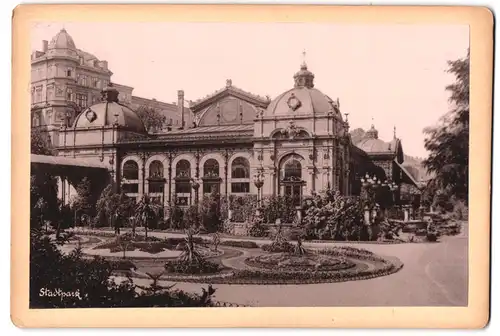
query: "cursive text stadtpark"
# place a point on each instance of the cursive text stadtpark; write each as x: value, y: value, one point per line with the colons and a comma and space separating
x: 59, y: 292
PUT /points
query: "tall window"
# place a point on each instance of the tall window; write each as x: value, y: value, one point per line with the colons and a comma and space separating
x: 83, y: 80
x: 68, y: 73
x: 240, y: 176
x: 156, y: 181
x: 81, y: 100
x: 183, y: 182
x: 131, y: 170
x: 292, y: 181
x: 38, y: 94
x: 211, y: 179
x: 131, y: 177
x: 69, y: 94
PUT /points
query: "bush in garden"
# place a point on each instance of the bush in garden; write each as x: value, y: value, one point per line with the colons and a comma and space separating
x: 242, y: 207
x: 176, y: 215
x: 279, y: 244
x: 211, y: 216
x: 191, y: 217
x: 278, y: 207
x: 237, y: 243
x: 91, y: 280
x: 388, y: 230
x: 257, y: 227
x: 332, y: 216
x: 191, y: 261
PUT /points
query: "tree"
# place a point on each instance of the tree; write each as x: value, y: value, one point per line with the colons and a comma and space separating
x: 91, y: 284
x: 448, y: 143
x: 331, y: 215
x: 113, y: 207
x: 151, y: 117
x: 40, y: 142
x: 147, y: 211
x: 83, y: 201
x: 211, y: 216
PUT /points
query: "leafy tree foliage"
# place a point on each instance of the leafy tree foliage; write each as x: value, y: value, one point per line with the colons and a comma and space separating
x: 279, y: 207
x: 88, y: 283
x: 211, y: 216
x: 40, y: 142
x: 152, y: 118
x: 113, y: 207
x: 448, y: 143
x: 83, y: 201
x: 147, y: 212
x: 330, y: 215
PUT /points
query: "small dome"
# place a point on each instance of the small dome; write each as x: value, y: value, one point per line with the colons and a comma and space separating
x: 62, y: 41
x: 372, y: 144
x: 302, y: 101
x: 109, y: 113
x: 303, y: 98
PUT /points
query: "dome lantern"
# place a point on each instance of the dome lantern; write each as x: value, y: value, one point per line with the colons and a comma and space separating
x: 304, y: 77
x: 372, y: 133
x: 110, y: 94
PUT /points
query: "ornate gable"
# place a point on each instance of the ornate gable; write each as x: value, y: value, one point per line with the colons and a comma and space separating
x: 228, y: 106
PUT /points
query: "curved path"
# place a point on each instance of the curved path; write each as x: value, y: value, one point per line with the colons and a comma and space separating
x: 433, y: 275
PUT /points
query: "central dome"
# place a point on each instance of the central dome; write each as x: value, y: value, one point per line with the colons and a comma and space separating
x: 303, y: 98
x: 62, y: 41
x: 109, y: 113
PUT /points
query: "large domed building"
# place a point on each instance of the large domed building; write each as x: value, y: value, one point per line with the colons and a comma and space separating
x: 236, y: 143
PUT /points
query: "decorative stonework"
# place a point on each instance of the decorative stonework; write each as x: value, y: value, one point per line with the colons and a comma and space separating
x: 90, y: 115
x: 293, y: 102
x: 291, y: 130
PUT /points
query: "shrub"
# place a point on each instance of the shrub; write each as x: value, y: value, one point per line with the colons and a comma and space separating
x: 122, y: 265
x: 91, y: 279
x: 242, y: 244
x: 432, y: 237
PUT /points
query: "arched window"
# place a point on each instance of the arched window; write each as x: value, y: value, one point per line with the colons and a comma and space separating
x: 183, y: 169
x: 182, y: 182
x: 293, y: 170
x: 211, y: 168
x: 211, y: 180
x: 156, y: 169
x: 240, y: 176
x: 131, y: 176
x: 240, y: 168
x: 156, y: 180
x: 131, y: 170
x: 292, y: 181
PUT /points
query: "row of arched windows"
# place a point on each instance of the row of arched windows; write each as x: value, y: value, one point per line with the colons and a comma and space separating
x: 240, y: 177
x: 239, y: 169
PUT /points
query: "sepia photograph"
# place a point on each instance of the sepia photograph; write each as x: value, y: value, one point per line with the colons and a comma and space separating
x: 248, y: 164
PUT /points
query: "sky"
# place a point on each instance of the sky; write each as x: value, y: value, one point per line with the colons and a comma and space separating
x: 388, y: 75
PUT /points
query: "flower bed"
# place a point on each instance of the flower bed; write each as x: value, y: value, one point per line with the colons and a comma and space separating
x: 195, y: 267
x: 242, y: 244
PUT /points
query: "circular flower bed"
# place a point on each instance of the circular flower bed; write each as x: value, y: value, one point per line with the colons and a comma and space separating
x: 336, y: 264
x: 301, y: 263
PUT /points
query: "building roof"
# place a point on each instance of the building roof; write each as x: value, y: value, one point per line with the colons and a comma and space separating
x: 229, y: 89
x: 109, y: 113
x: 62, y: 40
x: 407, y: 177
x: 66, y: 161
x: 371, y: 144
x: 232, y: 132
x: 303, y: 98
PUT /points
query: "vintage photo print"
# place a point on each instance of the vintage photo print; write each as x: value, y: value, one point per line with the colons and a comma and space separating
x: 231, y: 157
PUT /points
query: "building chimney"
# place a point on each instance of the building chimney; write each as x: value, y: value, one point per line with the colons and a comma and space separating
x: 180, y: 105
x: 45, y: 46
x: 104, y: 65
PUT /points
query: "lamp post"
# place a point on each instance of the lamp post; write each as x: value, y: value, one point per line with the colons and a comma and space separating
x: 258, y: 180
x: 370, y: 185
x: 195, y: 184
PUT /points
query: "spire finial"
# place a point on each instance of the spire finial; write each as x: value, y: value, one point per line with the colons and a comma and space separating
x: 304, y: 65
x: 394, y: 131
x: 373, y: 124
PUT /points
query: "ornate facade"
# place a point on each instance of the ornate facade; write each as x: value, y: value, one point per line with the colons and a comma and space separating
x: 66, y: 80
x: 237, y: 143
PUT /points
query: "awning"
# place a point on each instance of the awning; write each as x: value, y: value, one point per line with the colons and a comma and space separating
x: 407, y: 177
x: 66, y: 161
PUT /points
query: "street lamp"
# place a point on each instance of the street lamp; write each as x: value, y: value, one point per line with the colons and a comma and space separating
x: 195, y: 184
x: 258, y: 180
